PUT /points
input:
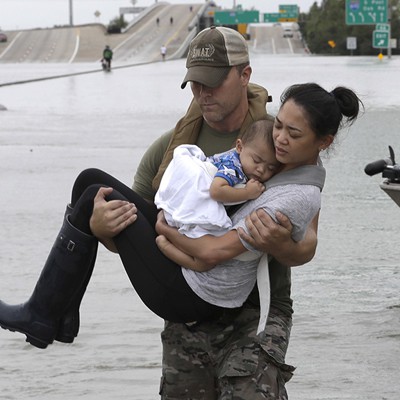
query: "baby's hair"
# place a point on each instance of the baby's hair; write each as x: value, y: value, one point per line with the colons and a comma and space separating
x: 264, y: 127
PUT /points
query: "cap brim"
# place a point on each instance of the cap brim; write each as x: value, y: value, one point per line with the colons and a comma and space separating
x: 207, y: 76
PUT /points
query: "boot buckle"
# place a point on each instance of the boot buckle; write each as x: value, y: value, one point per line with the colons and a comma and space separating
x: 71, y: 246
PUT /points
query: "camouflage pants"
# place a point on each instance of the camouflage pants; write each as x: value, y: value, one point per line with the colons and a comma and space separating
x: 225, y: 360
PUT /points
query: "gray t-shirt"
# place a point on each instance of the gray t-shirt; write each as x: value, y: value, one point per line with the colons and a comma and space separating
x: 229, y: 284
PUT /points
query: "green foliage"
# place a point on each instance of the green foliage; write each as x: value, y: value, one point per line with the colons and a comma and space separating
x: 117, y: 24
x: 327, y: 23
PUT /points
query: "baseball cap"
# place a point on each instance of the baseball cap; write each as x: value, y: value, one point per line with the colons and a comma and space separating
x: 211, y: 55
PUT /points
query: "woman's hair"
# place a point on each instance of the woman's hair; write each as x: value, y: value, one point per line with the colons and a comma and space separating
x: 262, y: 127
x: 325, y: 110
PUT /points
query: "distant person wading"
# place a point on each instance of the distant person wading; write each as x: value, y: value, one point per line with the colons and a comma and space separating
x: 107, y: 57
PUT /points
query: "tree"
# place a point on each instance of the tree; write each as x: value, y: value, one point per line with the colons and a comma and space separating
x: 117, y: 24
x: 327, y: 23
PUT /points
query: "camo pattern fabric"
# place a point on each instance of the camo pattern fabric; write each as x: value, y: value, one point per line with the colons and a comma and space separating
x: 224, y: 359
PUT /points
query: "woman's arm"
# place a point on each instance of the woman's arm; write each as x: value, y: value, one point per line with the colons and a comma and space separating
x: 275, y: 238
x: 207, y: 251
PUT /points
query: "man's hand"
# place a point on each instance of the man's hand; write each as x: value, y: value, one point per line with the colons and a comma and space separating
x: 109, y: 218
x: 265, y: 234
x: 275, y: 238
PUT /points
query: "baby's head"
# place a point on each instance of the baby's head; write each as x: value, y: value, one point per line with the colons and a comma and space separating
x: 257, y: 151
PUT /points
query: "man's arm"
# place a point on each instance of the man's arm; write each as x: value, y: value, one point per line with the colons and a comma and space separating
x: 109, y: 218
x: 275, y: 238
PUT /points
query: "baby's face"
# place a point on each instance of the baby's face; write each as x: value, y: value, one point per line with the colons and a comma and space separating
x: 258, y: 159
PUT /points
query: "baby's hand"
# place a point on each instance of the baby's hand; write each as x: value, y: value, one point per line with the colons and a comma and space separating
x: 254, y: 189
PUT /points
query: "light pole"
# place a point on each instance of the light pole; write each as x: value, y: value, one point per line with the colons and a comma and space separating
x: 70, y: 13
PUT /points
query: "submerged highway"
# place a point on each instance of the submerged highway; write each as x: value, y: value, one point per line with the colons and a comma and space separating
x: 141, y: 41
x: 161, y: 24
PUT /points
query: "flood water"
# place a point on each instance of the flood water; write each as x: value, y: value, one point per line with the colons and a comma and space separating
x: 346, y: 335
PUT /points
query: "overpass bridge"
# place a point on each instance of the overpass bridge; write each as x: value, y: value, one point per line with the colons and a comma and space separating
x: 139, y: 42
x: 172, y: 25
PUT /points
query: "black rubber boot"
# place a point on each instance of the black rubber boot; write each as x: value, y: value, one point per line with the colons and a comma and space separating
x: 68, y: 328
x: 62, y: 276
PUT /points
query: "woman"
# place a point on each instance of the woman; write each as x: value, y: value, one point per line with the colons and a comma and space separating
x: 306, y: 124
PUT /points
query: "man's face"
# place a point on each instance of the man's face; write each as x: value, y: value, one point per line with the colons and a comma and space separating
x: 220, y: 103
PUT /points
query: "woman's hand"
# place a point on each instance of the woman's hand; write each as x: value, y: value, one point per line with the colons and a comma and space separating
x: 109, y: 218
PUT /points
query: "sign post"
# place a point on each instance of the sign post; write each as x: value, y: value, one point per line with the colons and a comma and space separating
x: 371, y: 12
x: 71, y: 18
x: 288, y: 12
x: 380, y: 40
x: 235, y: 17
x: 351, y: 43
x: 272, y: 17
x: 383, y: 27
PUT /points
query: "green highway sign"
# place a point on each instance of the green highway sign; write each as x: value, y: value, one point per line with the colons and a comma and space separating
x: 236, y: 17
x: 382, y: 27
x: 380, y: 39
x: 366, y: 12
x: 288, y: 12
x: 289, y: 8
x: 272, y: 17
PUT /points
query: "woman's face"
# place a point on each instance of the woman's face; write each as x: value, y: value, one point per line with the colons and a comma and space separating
x: 295, y: 142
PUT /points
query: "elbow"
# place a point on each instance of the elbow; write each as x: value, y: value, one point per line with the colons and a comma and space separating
x: 305, y: 258
x: 309, y: 255
x: 312, y: 254
x: 202, y: 267
x: 214, y: 193
x: 212, y: 258
x: 207, y: 259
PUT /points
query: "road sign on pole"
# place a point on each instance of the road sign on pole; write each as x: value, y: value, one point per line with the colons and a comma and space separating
x: 380, y: 39
x: 288, y: 12
x: 271, y: 17
x: 366, y: 12
x: 382, y: 27
x: 235, y: 17
x: 351, y: 43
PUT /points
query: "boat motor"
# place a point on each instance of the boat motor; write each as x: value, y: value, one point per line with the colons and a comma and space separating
x: 389, y: 170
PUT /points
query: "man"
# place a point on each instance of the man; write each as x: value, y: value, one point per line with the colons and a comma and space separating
x: 221, y: 358
x: 107, y: 57
x: 224, y: 358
